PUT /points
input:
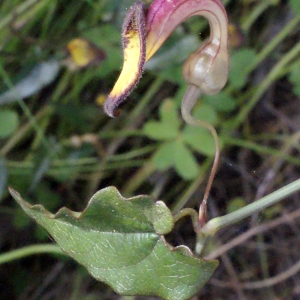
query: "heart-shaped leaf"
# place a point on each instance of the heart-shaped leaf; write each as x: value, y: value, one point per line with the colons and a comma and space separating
x: 120, y: 242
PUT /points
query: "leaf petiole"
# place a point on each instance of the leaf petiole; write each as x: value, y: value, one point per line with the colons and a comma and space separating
x: 214, y: 225
x: 30, y: 250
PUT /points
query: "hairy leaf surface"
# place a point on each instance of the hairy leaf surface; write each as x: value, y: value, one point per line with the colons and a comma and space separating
x: 120, y: 242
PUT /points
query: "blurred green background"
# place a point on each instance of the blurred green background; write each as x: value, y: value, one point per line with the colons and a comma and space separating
x: 58, y: 148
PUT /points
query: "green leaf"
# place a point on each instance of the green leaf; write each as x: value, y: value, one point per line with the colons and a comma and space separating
x: 199, y: 139
x: 185, y: 163
x: 9, y: 122
x: 163, y: 157
x: 159, y: 131
x: 239, y: 62
x: 119, y: 242
x: 169, y: 114
x: 167, y: 128
x: 205, y: 112
x: 176, y: 154
x: 221, y: 102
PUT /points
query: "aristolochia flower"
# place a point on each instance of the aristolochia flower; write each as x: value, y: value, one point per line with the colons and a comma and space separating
x: 144, y: 31
x: 205, y: 70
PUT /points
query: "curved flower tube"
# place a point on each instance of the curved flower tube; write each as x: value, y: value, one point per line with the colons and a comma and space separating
x: 206, y: 70
x: 144, y: 31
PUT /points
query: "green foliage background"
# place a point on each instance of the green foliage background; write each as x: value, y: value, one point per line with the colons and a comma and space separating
x: 58, y: 148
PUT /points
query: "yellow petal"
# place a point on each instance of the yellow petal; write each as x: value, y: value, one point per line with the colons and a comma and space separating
x: 134, y: 51
x: 84, y: 53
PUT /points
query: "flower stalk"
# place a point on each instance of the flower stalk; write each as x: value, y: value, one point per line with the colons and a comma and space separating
x: 205, y: 70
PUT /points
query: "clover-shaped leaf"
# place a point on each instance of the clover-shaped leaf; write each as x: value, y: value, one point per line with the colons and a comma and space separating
x: 120, y: 242
x: 177, y: 146
x: 185, y: 163
x: 176, y: 154
x: 168, y: 127
x: 162, y: 158
x: 222, y: 102
x: 199, y: 139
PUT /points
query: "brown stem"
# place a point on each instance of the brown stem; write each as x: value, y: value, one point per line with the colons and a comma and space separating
x: 192, y: 94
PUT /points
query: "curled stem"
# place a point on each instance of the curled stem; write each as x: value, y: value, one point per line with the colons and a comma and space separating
x: 194, y: 217
x: 191, y: 96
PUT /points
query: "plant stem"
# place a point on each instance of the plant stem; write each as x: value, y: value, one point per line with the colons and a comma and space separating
x: 194, y: 216
x: 191, y: 96
x: 29, y: 250
x: 182, y: 201
x: 220, y: 222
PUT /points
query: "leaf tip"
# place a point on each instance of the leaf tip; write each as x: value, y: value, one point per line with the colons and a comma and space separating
x: 14, y: 193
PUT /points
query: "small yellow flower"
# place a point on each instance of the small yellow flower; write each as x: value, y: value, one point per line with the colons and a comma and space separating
x: 84, y: 53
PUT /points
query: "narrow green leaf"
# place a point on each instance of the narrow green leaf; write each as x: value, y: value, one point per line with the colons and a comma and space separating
x: 118, y: 240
